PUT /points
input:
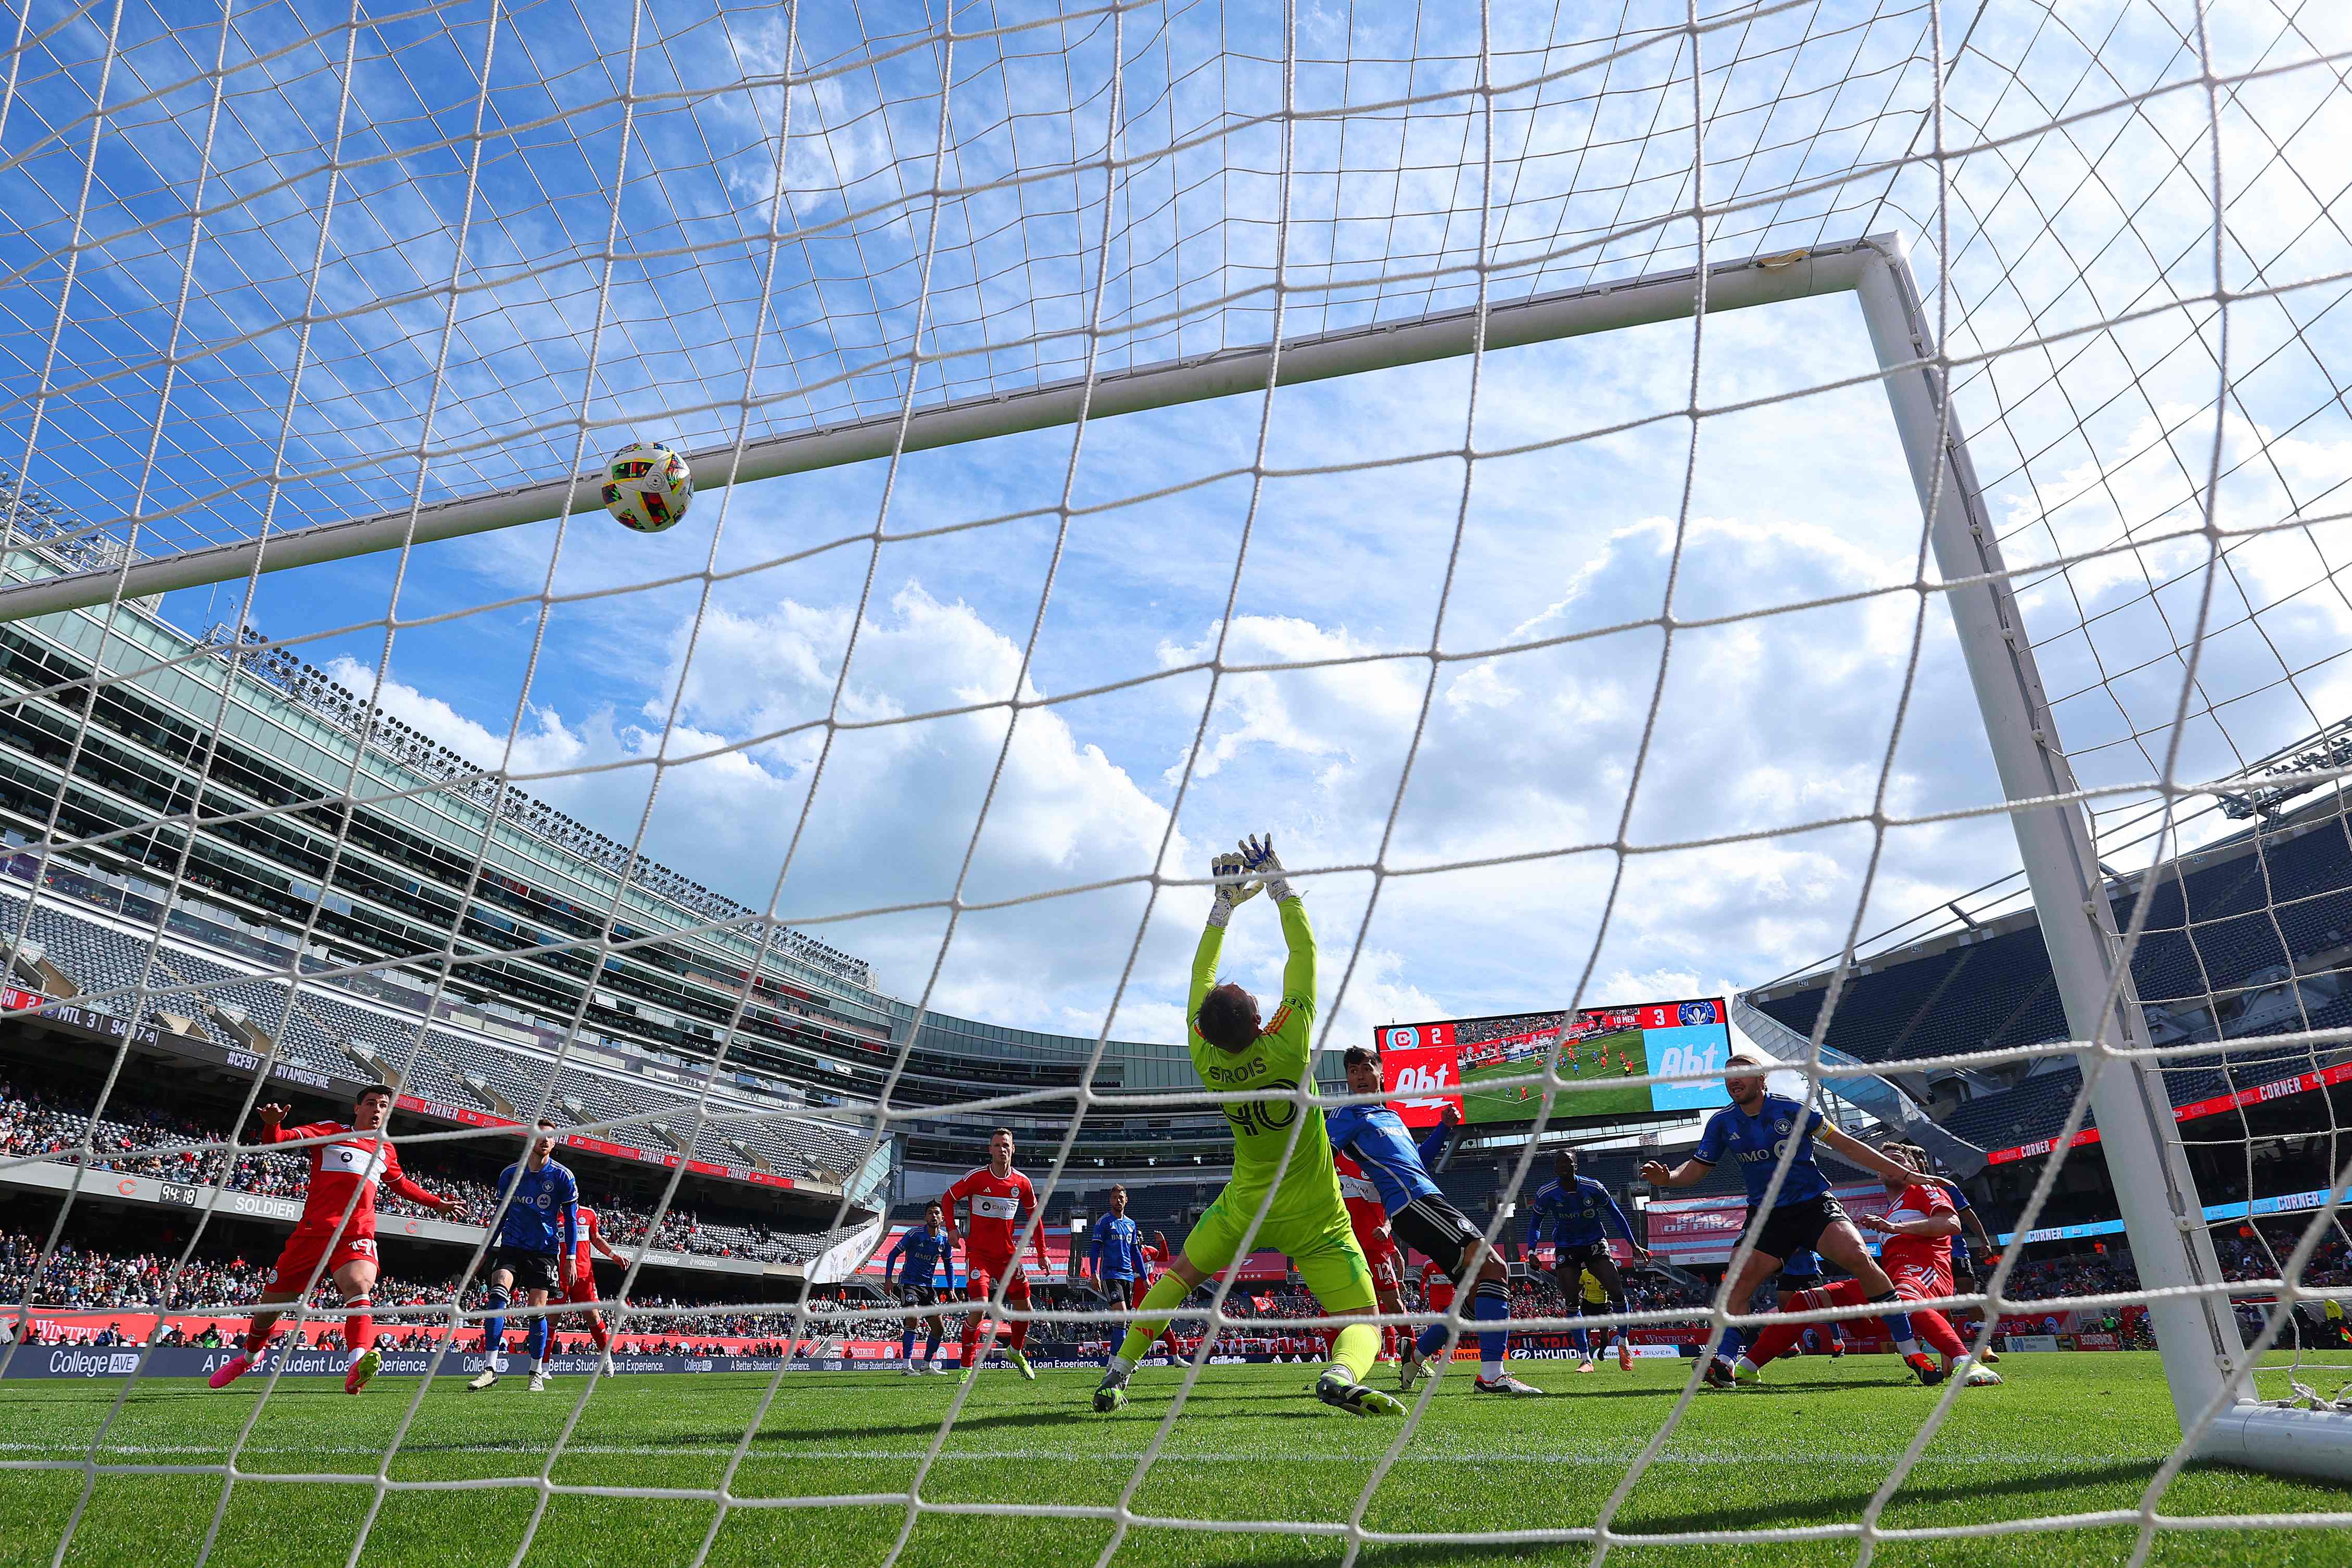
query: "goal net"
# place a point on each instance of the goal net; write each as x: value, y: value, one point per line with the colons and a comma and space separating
x: 1831, y: 508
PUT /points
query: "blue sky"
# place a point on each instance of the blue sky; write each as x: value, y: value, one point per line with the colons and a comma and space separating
x: 1764, y: 726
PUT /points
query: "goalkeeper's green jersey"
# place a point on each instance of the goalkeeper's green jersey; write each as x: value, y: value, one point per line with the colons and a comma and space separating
x: 1279, y: 1059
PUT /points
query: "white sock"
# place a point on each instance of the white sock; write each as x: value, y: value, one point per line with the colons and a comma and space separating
x: 1120, y: 1364
x: 538, y: 1365
x: 1490, y: 1370
x: 1907, y: 1347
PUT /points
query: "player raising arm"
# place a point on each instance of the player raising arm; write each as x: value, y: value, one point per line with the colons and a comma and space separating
x: 1756, y: 1128
x: 1279, y: 1147
x: 344, y: 1172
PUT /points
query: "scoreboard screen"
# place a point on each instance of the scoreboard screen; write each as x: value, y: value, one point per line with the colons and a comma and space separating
x: 1426, y: 1067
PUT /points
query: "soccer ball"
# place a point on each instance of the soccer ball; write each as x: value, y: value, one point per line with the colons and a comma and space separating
x: 647, y: 486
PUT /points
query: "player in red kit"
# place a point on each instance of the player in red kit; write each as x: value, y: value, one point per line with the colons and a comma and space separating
x: 1369, y: 1218
x: 1917, y: 1255
x: 337, y: 1232
x: 583, y: 1293
x: 998, y: 1197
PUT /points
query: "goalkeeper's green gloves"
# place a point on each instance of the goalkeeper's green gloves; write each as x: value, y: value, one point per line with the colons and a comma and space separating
x: 1258, y: 857
x: 1232, y: 888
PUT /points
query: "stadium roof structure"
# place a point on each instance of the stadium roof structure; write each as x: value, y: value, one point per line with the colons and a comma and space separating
x: 2245, y: 937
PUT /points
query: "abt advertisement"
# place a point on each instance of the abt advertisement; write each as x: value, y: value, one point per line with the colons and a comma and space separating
x: 1427, y: 1066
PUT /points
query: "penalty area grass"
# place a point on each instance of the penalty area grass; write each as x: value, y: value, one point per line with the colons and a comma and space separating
x: 2068, y: 1434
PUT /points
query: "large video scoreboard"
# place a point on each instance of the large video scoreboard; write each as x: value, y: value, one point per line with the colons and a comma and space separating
x: 1427, y: 1066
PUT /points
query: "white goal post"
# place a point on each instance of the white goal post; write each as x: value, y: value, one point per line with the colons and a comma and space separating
x: 2206, y: 1364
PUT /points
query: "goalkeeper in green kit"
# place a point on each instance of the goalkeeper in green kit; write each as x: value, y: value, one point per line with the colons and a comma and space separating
x: 1305, y: 1220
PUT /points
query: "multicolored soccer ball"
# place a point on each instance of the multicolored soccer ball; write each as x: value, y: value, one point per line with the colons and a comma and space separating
x: 647, y: 486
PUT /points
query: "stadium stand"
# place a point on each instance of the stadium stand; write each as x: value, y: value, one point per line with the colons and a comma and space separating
x: 2212, y: 964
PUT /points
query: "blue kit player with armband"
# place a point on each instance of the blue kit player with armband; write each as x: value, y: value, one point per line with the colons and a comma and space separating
x: 1764, y: 1132
x: 538, y: 1237
x: 1423, y: 1220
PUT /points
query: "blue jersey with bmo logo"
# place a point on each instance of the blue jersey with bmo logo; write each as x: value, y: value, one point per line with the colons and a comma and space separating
x: 1580, y: 1216
x: 1756, y: 1142
x: 545, y: 1214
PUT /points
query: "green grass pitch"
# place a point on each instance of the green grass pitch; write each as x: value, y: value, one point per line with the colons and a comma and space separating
x: 2069, y: 1434
x: 1520, y: 1102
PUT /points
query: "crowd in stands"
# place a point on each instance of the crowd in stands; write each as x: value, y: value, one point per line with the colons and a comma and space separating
x: 34, y: 1123
x: 85, y: 1279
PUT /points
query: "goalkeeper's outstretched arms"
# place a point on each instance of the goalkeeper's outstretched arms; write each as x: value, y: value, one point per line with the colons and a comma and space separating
x: 1298, y: 933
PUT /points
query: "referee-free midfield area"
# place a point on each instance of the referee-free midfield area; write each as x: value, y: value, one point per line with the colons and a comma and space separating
x: 2068, y: 1434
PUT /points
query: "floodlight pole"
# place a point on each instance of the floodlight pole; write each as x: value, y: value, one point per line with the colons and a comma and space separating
x: 2205, y: 1360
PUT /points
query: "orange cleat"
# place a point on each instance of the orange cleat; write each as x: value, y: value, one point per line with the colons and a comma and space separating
x: 229, y: 1371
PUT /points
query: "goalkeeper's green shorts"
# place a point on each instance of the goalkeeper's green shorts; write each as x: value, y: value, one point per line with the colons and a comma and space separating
x: 1323, y: 1248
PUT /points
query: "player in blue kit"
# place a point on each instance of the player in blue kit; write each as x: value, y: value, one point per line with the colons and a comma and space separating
x: 928, y: 1251
x: 1582, y: 1213
x: 1120, y: 1260
x: 1422, y: 1218
x: 538, y: 1237
x: 1756, y: 1129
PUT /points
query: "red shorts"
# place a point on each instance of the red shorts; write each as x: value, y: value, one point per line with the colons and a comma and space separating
x: 584, y: 1287
x: 1917, y: 1284
x: 1439, y: 1295
x: 1387, y: 1263
x: 298, y: 1266
x: 1142, y: 1288
x: 981, y: 1275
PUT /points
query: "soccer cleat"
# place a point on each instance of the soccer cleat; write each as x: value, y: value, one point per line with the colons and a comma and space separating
x: 1410, y: 1366
x: 1744, y: 1371
x: 364, y: 1366
x: 1585, y: 1365
x: 1338, y: 1390
x: 933, y: 1366
x: 1625, y: 1356
x: 229, y: 1371
x: 1111, y: 1394
x: 1925, y: 1365
x: 538, y: 1383
x: 1837, y: 1349
x: 488, y: 1376
x: 1505, y: 1384
x: 914, y: 1371
x: 1981, y: 1377
x: 1021, y: 1364
x: 1719, y: 1373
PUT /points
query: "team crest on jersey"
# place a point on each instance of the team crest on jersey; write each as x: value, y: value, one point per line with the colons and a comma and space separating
x: 1781, y: 1126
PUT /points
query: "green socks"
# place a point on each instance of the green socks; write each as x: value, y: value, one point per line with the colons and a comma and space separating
x: 1167, y: 1294
x: 1355, y: 1349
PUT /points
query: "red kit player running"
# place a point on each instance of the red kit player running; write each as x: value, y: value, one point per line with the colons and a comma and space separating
x: 999, y: 1197
x: 583, y: 1293
x: 1917, y: 1254
x: 344, y: 1172
x: 1369, y: 1218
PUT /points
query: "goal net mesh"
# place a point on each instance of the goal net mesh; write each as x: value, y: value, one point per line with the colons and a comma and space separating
x: 1564, y: 673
